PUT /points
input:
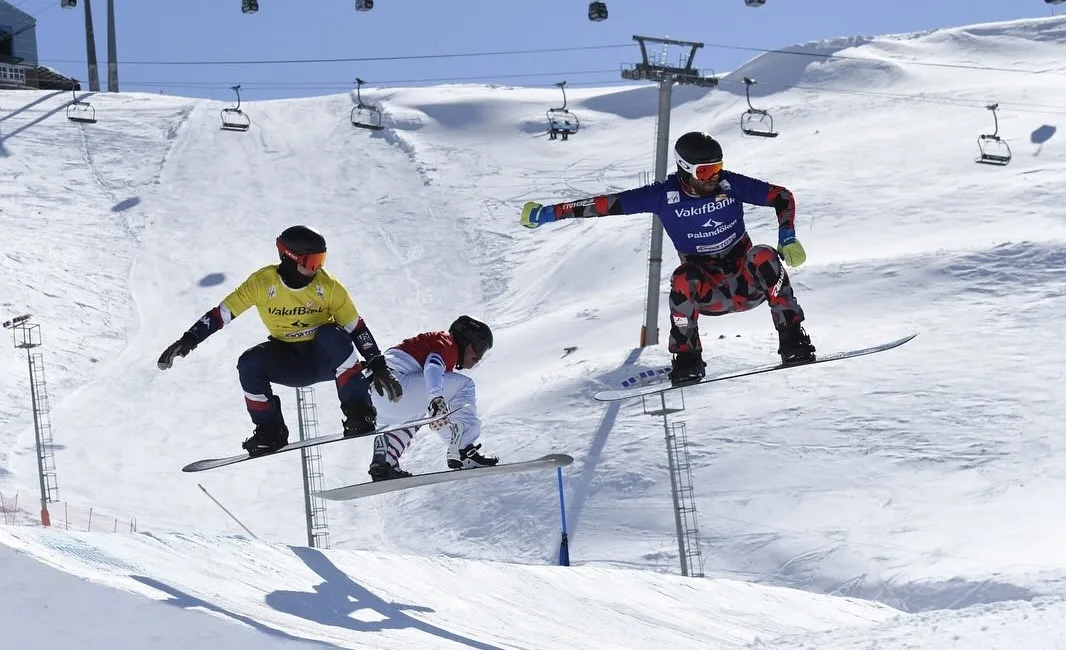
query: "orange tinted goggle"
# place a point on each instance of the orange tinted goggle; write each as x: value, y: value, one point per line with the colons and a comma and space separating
x: 309, y: 261
x: 706, y: 171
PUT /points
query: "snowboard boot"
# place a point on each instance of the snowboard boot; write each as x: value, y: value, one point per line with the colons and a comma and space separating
x: 381, y: 469
x: 268, y: 438
x: 687, y: 368
x: 360, y: 418
x: 470, y: 458
x: 467, y: 457
x: 795, y: 345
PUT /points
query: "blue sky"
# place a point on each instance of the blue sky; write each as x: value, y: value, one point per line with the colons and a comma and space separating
x: 151, y: 32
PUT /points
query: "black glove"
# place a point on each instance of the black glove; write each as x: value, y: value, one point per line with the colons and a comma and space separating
x: 183, y: 346
x: 437, y: 406
x: 385, y: 383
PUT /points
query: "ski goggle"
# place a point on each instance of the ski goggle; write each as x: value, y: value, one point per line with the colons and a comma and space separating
x: 309, y: 261
x: 701, y: 171
x: 479, y: 347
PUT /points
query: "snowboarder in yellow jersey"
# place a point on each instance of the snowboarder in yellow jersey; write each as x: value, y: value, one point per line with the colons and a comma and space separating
x: 315, y: 331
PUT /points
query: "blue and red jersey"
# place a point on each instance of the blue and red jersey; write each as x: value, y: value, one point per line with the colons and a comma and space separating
x: 697, y: 225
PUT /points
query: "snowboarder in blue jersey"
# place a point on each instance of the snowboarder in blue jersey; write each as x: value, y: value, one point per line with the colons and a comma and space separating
x: 721, y: 272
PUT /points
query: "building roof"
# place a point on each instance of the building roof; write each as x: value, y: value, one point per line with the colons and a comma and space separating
x: 11, y: 7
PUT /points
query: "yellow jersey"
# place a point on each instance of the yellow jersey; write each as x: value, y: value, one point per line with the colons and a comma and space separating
x: 292, y: 315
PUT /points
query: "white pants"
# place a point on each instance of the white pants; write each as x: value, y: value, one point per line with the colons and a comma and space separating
x: 458, y: 390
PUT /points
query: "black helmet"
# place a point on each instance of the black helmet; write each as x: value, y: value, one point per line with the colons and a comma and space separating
x: 693, y: 149
x: 303, y: 245
x: 468, y: 331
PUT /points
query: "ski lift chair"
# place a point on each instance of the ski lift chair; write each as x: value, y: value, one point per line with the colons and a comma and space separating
x: 365, y: 116
x: 80, y: 111
x: 234, y: 119
x: 754, y: 121
x: 561, y: 122
x: 597, y: 11
x: 993, y: 149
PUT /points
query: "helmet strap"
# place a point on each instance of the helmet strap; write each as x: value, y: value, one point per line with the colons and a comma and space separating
x: 462, y: 353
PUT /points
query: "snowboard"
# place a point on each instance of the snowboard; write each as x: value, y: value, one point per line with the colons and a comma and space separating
x: 214, y: 463
x: 371, y: 488
x: 664, y: 386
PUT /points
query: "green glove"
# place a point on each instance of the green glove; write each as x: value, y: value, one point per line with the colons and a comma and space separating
x: 790, y: 248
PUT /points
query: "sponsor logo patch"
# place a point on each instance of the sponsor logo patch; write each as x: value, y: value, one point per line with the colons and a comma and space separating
x: 293, y: 311
x: 706, y: 208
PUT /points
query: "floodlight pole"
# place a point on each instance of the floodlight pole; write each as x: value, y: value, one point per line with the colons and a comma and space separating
x: 27, y: 336
x: 666, y: 76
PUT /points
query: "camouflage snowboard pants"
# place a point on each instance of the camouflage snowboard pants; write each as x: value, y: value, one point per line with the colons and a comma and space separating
x: 743, y: 278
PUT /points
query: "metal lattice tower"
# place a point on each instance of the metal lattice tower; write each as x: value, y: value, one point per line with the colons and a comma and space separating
x: 666, y: 76
x: 27, y: 336
x: 688, y: 532
x: 315, y: 508
x: 684, y: 503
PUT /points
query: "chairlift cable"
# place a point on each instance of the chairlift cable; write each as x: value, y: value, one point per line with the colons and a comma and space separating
x: 411, y: 57
x: 400, y: 57
x: 389, y: 82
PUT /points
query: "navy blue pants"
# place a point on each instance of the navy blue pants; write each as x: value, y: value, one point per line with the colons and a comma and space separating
x: 330, y: 356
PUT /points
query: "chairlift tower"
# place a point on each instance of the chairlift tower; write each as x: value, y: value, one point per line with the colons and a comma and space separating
x: 90, y: 50
x: 666, y: 76
x: 112, y: 49
x: 314, y: 507
x: 27, y: 336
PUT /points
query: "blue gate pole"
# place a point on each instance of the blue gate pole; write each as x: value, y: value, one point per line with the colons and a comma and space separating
x: 564, y: 543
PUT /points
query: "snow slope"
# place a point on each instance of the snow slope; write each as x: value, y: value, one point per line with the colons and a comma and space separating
x: 926, y: 478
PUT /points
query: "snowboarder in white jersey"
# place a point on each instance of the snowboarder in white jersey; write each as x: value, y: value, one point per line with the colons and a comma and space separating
x: 425, y: 366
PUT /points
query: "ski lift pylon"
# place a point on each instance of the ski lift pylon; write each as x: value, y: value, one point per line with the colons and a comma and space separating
x: 993, y: 149
x: 234, y: 119
x: 80, y: 111
x: 561, y: 122
x: 755, y: 121
x: 365, y: 116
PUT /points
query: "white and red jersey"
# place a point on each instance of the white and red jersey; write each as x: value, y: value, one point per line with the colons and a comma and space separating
x: 430, y: 354
x: 424, y: 365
